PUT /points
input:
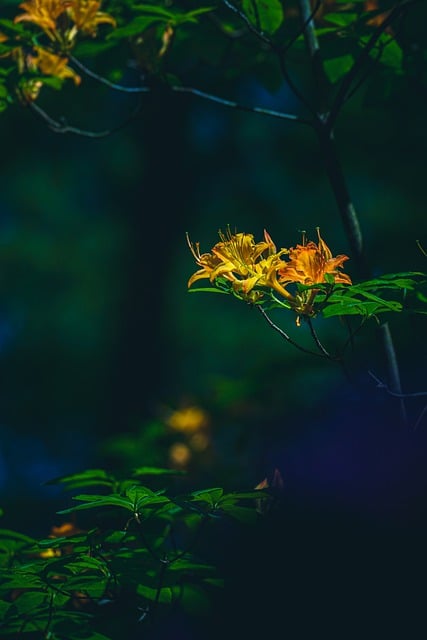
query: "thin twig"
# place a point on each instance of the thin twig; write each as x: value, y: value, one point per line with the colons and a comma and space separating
x: 257, y: 32
x: 192, y: 91
x: 382, y: 385
x: 62, y: 127
x: 240, y: 107
x: 286, y: 337
x: 317, y: 341
x: 420, y: 417
x: 108, y: 83
x: 279, y: 54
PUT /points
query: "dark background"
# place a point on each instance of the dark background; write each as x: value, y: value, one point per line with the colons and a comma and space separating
x: 98, y: 334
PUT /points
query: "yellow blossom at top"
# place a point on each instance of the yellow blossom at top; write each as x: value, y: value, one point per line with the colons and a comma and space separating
x: 61, y: 20
x: 309, y: 263
x: 86, y: 17
x: 43, y: 13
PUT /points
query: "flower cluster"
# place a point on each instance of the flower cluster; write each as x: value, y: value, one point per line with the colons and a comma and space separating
x: 60, y: 22
x: 257, y: 272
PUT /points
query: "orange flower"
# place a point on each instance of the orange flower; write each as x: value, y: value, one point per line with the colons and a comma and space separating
x: 309, y: 264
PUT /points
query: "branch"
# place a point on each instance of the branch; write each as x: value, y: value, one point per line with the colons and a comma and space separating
x: 61, y: 126
x: 102, y: 80
x: 278, y: 52
x: 288, y: 338
x: 317, y: 341
x: 382, y: 385
x: 337, y: 180
x: 240, y: 107
x: 195, y: 92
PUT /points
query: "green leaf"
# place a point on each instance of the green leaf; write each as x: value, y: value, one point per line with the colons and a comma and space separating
x: 89, y: 48
x: 211, y: 496
x: 135, y: 27
x: 89, y: 477
x: 193, y: 599
x: 243, y: 514
x: 266, y: 15
x: 209, y: 289
x: 391, y: 54
x: 9, y: 534
x: 336, y: 68
x: 95, y: 502
x: 187, y: 565
x: 154, y: 10
x: 28, y: 601
x: 156, y: 471
x: 359, y: 307
x: 142, y: 497
x: 342, y: 19
x: 164, y: 595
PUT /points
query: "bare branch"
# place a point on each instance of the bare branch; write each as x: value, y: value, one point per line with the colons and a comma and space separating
x: 190, y: 90
x: 383, y: 385
x: 240, y: 107
x: 102, y: 80
x: 61, y: 126
x: 279, y: 54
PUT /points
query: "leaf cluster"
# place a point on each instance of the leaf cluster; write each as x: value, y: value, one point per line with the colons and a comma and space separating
x: 134, y: 554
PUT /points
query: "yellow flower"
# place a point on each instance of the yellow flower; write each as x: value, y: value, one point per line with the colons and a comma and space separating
x: 309, y: 264
x: 86, y: 17
x: 207, y: 261
x: 43, y: 13
x: 52, y: 65
x: 79, y: 15
x: 188, y: 419
x: 240, y: 260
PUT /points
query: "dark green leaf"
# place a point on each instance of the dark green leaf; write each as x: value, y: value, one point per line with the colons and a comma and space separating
x: 156, y: 471
x: 342, y: 19
x: 266, y: 15
x: 336, y: 68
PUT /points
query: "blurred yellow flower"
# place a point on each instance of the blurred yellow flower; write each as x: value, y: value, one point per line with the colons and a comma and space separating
x: 188, y: 420
x: 179, y: 454
x: 199, y: 441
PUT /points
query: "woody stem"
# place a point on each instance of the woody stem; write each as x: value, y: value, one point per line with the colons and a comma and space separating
x: 323, y: 126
